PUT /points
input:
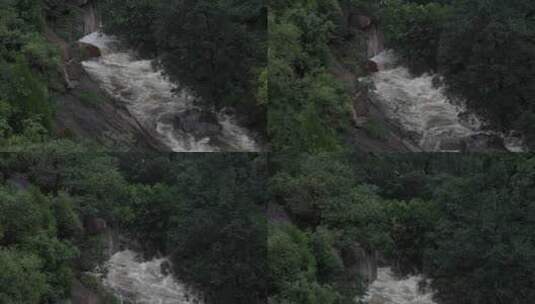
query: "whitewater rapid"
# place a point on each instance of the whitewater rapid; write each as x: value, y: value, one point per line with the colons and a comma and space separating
x: 139, y: 282
x: 170, y: 114
x: 420, y: 108
x: 387, y: 289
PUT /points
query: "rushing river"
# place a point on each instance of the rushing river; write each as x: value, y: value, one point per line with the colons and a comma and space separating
x: 149, y: 96
x: 135, y: 281
x: 388, y: 289
x: 420, y: 108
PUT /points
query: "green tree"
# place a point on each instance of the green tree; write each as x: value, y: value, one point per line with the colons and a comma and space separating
x: 20, y: 278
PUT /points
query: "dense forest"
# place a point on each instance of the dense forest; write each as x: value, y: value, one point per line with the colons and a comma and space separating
x: 465, y: 221
x: 484, y: 49
x: 93, y: 93
x: 50, y: 202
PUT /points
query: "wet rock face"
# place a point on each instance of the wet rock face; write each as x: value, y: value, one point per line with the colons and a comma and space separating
x: 362, y: 22
x: 360, y: 262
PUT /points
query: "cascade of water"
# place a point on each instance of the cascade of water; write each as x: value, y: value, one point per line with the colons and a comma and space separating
x: 148, y: 95
x: 420, y: 108
x: 143, y: 282
x: 388, y: 289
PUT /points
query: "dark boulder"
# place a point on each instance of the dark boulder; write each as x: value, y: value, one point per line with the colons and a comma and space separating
x: 371, y: 66
x: 198, y: 122
x: 89, y: 51
x: 485, y: 143
x: 166, y: 268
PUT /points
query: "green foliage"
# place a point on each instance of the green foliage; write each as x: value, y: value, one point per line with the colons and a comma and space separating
x: 293, y: 267
x: 306, y: 104
x: 329, y: 262
x: 29, y: 65
x: 26, y: 94
x: 487, y: 57
x: 484, y: 233
x: 463, y: 220
x: 20, y: 278
x: 24, y: 214
x: 57, y: 257
x: 28, y: 224
x: 68, y: 223
x: 414, y: 29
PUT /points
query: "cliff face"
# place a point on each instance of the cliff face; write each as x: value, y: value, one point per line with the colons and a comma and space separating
x: 84, y: 110
x: 91, y: 20
x: 360, y: 263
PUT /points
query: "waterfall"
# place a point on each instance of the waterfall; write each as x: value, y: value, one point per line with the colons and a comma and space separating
x: 163, y: 109
x: 375, y: 41
x: 420, y: 108
x: 90, y: 19
x: 388, y: 289
x: 141, y: 282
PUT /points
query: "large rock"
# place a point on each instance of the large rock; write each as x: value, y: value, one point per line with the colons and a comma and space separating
x: 197, y: 122
x: 485, y: 143
x: 371, y: 66
x: 89, y: 51
x: 360, y: 262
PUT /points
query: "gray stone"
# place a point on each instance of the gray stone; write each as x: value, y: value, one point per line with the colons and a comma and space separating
x: 485, y: 143
x: 198, y: 122
x: 360, y: 262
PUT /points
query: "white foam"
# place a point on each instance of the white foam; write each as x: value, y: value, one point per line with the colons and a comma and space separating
x: 143, y: 282
x: 388, y: 289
